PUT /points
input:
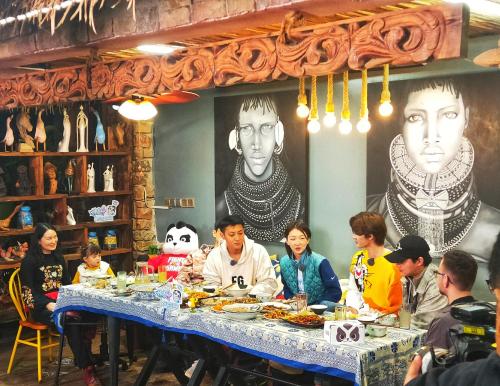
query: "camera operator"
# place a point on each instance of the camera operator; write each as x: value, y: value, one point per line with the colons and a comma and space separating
x: 455, y: 277
x: 478, y: 373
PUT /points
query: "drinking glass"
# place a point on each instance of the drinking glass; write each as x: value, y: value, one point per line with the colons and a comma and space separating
x: 340, y: 313
x: 405, y: 316
x: 162, y: 273
x: 301, y: 301
x: 121, y: 281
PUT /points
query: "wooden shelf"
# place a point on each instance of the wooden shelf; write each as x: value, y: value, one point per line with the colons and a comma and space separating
x: 16, y: 232
x: 64, y: 228
x: 91, y: 224
x: 104, y: 252
x: 101, y: 194
x: 31, y: 198
x: 67, y: 154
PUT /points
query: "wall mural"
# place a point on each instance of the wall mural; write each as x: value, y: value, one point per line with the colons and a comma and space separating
x: 434, y: 164
x: 261, y: 162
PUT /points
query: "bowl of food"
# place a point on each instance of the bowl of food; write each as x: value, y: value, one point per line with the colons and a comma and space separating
x: 236, y: 292
x: 318, y: 309
x: 366, y: 318
x: 145, y: 291
x: 241, y: 311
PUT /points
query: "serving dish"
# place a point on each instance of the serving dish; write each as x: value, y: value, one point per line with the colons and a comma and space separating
x: 241, y: 311
x: 309, y: 320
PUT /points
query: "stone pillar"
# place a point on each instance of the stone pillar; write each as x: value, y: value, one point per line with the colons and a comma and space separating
x: 144, y: 226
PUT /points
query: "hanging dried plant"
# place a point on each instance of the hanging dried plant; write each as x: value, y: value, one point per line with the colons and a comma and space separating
x: 56, y: 11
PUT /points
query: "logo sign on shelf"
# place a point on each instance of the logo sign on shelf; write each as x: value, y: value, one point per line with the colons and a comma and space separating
x: 104, y: 213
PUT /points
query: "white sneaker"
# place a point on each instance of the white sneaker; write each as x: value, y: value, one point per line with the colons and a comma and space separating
x: 189, y: 372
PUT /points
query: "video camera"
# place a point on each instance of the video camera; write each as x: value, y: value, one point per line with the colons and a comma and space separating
x: 472, y: 337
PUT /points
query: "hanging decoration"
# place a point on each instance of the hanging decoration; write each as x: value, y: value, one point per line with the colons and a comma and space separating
x: 302, y: 109
x: 345, y: 126
x: 313, y: 125
x: 363, y: 125
x: 329, y: 119
x: 385, y: 109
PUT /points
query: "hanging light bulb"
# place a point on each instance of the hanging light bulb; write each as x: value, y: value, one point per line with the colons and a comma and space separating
x: 345, y: 126
x: 329, y: 120
x: 385, y: 108
x: 302, y: 109
x: 137, y: 109
x: 363, y: 125
x: 313, y: 125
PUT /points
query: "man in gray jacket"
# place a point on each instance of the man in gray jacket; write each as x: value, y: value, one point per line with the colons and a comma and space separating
x: 420, y: 290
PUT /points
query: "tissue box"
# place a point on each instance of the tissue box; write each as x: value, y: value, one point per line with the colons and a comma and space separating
x: 344, y: 331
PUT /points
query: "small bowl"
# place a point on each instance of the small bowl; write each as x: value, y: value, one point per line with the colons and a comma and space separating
x: 237, y: 292
x: 241, y: 311
x: 264, y: 297
x: 210, y: 289
x: 318, y: 309
x: 376, y: 330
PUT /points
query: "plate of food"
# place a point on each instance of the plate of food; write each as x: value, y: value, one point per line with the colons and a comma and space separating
x: 271, y: 306
x: 198, y: 295
x: 241, y: 311
x: 276, y: 314
x: 309, y: 320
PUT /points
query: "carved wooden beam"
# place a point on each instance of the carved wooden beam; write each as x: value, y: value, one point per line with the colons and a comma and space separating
x: 401, y: 38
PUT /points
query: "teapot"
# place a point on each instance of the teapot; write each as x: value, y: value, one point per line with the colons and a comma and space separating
x: 143, y: 272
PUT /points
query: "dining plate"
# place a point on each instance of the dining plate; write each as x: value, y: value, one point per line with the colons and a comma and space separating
x: 309, y: 321
x: 276, y: 305
x: 308, y: 325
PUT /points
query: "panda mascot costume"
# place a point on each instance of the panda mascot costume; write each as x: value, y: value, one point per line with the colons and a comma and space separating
x: 180, y: 240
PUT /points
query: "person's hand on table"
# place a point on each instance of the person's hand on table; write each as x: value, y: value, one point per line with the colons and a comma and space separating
x: 51, y: 306
x: 414, y: 369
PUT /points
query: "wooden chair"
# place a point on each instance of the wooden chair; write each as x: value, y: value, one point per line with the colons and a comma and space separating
x: 15, y: 294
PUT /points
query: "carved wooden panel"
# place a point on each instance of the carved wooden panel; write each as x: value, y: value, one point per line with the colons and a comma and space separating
x: 399, y: 38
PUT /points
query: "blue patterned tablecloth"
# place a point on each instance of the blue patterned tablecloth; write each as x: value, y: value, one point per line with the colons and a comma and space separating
x: 377, y: 361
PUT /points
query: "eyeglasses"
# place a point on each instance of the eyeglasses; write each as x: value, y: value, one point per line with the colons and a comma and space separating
x: 490, y: 286
x: 443, y: 274
x: 266, y: 130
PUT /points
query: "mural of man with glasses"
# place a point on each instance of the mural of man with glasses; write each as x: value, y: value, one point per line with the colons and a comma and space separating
x: 260, y: 190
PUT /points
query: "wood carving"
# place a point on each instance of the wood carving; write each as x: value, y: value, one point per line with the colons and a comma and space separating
x: 5, y: 223
x: 400, y: 38
x: 40, y: 134
x: 8, y: 140
x: 24, y: 126
x: 50, y: 172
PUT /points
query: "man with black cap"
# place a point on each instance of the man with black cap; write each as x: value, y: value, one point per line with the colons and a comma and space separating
x: 420, y: 290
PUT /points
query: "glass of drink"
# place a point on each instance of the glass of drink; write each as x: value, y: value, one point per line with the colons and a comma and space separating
x: 162, y: 273
x: 340, y: 313
x: 121, y: 281
x: 405, y: 316
x: 301, y: 301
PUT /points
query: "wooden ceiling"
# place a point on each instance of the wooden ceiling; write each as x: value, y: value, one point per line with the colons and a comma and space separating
x: 479, y: 25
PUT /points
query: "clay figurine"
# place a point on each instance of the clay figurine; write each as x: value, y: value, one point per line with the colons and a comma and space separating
x: 3, y: 188
x: 40, y: 134
x: 69, y: 174
x: 23, y: 184
x: 9, y: 134
x: 50, y: 171
x: 70, y: 218
x: 90, y: 178
x: 108, y: 179
x: 100, y: 135
x: 82, y: 138
x: 4, y: 224
x: 24, y: 126
x: 63, y: 145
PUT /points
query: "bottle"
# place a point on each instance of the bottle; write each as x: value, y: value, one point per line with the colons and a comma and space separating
x: 93, y: 238
x: 110, y: 241
x: 25, y: 218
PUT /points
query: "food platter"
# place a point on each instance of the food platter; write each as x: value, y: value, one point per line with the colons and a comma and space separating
x: 305, y: 320
x: 270, y: 306
x: 276, y: 315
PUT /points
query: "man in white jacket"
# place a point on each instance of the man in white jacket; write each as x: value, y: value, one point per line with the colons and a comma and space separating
x: 239, y: 260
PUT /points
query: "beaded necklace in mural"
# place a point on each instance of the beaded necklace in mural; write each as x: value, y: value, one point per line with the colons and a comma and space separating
x: 266, y: 207
x: 439, y: 207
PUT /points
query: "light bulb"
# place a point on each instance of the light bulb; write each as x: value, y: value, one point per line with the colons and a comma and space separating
x: 363, y: 125
x: 345, y: 126
x: 302, y: 110
x: 313, y: 126
x: 385, y: 109
x: 329, y: 120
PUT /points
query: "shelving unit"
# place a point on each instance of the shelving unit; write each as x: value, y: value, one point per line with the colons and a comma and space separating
x: 72, y: 237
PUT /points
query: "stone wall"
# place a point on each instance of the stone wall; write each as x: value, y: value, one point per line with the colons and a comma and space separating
x: 144, y: 227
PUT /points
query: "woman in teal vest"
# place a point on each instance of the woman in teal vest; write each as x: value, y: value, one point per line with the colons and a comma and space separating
x: 303, y: 270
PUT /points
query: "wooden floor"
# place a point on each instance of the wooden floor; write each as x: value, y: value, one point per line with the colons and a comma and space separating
x: 24, y: 370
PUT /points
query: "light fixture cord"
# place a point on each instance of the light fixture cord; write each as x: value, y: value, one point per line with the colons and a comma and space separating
x: 302, y: 98
x: 363, y: 106
x: 346, y: 114
x: 330, y: 107
x: 385, y: 96
x: 314, y: 99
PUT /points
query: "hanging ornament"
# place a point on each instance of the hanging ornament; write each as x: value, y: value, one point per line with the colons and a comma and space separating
x: 345, y: 126
x: 329, y: 120
x: 302, y: 109
x: 313, y: 125
x: 363, y: 125
x: 385, y: 108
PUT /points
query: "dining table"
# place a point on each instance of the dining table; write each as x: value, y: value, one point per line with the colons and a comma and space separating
x: 375, y: 361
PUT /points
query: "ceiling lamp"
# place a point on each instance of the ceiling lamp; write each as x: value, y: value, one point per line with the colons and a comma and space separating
x: 158, y: 49
x: 329, y: 119
x: 364, y: 124
x: 313, y: 125
x: 345, y: 126
x: 385, y: 109
x: 302, y: 109
x: 137, y: 109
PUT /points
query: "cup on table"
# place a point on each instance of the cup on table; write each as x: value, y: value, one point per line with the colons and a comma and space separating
x: 340, y: 313
x: 301, y: 298
x: 162, y: 273
x: 405, y: 316
x: 121, y: 281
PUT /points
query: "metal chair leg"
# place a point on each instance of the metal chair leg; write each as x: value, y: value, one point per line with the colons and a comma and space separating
x: 39, y: 354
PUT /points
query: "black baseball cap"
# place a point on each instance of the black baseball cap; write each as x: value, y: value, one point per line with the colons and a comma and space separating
x: 410, y: 247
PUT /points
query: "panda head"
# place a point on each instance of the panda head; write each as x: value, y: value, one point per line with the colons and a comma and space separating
x: 181, y: 238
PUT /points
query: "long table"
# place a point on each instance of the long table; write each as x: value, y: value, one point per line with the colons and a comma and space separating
x: 377, y: 361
